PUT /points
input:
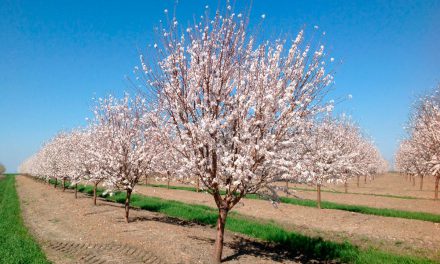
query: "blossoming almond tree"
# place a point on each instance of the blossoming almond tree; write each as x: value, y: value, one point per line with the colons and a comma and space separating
x: 52, y: 158
x: 334, y: 150
x: 233, y: 107
x: 127, y: 145
x: 420, y: 154
x: 412, y: 159
x: 327, y: 153
x: 80, y: 141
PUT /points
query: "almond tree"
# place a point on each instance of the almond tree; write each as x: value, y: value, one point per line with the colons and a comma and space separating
x: 231, y: 107
x: 334, y: 150
x: 90, y: 158
x: 328, y: 153
x: 420, y: 153
x: 51, y: 158
x: 81, y: 165
x: 126, y: 143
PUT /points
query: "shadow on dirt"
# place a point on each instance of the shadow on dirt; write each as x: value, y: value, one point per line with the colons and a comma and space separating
x: 247, y: 247
x: 166, y: 220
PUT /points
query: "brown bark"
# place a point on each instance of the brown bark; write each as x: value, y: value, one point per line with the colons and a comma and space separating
x: 358, y: 177
x: 318, y: 188
x: 221, y: 222
x: 56, y: 182
x: 127, y: 205
x: 414, y: 180
x: 437, y: 179
x: 168, y: 180
x: 76, y: 191
x: 146, y: 179
x: 421, y: 182
x: 198, y: 184
x: 95, y: 186
x: 346, y: 187
x: 365, y: 179
x: 64, y: 184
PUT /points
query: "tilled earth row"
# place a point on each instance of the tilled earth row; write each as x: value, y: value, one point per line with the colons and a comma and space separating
x: 100, y: 253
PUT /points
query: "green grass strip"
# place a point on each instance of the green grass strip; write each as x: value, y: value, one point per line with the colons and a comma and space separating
x: 358, y: 193
x: 308, y: 248
x: 16, y: 244
x: 336, y: 206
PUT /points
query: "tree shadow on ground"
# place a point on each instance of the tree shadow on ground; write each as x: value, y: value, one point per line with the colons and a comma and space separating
x: 276, y: 253
x: 165, y: 219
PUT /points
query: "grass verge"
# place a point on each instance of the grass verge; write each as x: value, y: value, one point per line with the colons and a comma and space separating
x: 358, y: 193
x: 336, y: 206
x: 304, y: 248
x: 16, y: 244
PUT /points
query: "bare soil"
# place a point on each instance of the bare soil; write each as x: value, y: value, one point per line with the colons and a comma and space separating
x: 389, y: 184
x: 75, y: 231
x: 415, y: 205
x: 395, y: 234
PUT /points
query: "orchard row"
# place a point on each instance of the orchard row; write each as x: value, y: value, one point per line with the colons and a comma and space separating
x: 219, y: 109
x: 419, y: 153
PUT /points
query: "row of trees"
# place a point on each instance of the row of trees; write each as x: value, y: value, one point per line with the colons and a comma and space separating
x: 217, y: 107
x: 333, y: 151
x: 419, y: 154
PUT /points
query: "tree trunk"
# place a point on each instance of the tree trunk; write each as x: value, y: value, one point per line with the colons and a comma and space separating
x: 318, y: 188
x: 365, y: 179
x: 64, y: 184
x: 421, y: 182
x: 127, y: 205
x: 168, y: 180
x: 56, y: 182
x: 146, y: 179
x: 95, y: 186
x: 346, y: 187
x: 198, y: 184
x: 437, y: 179
x: 414, y: 180
x: 221, y: 222
x: 358, y: 177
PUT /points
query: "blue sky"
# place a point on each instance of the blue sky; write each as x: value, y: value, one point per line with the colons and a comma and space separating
x: 55, y: 56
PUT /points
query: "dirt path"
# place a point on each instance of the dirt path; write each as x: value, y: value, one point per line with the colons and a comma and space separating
x: 402, y: 233
x: 74, y: 231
